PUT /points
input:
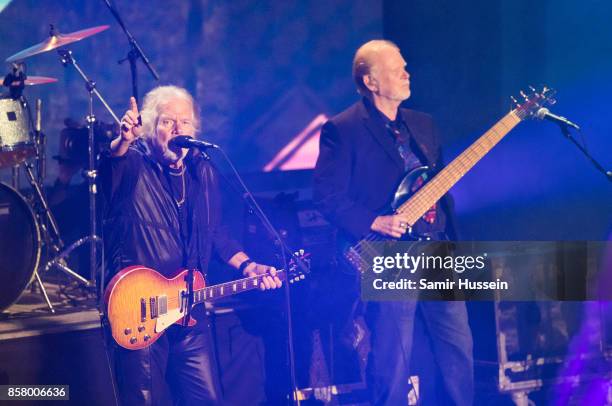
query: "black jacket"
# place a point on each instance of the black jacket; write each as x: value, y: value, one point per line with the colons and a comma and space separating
x: 359, y: 167
x: 141, y: 219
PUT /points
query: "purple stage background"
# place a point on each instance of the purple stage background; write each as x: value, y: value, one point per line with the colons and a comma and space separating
x: 263, y: 71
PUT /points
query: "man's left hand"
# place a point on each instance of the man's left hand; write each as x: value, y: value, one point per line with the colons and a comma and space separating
x: 270, y: 281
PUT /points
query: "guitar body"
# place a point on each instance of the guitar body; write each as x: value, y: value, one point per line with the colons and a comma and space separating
x: 358, y: 255
x: 411, y: 182
x: 141, y: 304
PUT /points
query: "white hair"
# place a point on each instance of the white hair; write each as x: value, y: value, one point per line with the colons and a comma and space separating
x: 159, y: 96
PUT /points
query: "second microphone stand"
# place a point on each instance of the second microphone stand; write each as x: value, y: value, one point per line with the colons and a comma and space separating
x: 285, y: 252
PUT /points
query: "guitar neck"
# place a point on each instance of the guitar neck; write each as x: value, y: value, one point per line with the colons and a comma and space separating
x: 433, y: 190
x: 231, y: 288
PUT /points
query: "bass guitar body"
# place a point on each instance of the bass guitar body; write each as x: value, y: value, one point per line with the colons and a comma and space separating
x: 358, y: 255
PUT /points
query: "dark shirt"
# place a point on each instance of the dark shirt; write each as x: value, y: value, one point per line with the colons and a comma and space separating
x: 400, y: 133
x: 180, y: 186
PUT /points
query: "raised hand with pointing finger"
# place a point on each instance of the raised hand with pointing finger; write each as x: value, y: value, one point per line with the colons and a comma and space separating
x: 131, y: 129
x: 131, y: 123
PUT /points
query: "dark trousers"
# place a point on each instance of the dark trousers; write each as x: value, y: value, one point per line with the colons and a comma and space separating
x: 179, y: 368
x: 450, y: 338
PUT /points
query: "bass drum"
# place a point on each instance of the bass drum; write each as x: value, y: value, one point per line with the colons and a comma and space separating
x: 20, y: 245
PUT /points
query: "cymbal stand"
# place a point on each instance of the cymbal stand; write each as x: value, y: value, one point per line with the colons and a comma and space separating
x: 90, y: 174
x: 67, y: 59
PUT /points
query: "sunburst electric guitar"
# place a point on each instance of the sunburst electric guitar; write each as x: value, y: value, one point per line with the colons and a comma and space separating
x: 420, y: 189
x: 141, y: 303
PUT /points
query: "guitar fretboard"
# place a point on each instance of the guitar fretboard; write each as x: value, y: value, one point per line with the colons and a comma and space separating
x: 429, y: 194
x: 231, y: 288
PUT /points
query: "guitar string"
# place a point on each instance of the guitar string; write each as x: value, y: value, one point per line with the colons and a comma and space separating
x: 173, y: 300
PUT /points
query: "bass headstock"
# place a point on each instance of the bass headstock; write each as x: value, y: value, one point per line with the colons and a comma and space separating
x: 533, y: 101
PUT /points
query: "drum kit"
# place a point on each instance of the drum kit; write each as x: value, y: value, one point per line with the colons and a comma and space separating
x: 27, y: 226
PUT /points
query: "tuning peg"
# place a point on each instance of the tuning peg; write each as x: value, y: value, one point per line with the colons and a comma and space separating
x: 523, y: 95
x: 516, y: 103
x: 302, y: 276
x: 533, y: 89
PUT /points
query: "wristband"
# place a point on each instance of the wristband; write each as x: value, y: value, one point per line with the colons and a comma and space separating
x: 244, y: 264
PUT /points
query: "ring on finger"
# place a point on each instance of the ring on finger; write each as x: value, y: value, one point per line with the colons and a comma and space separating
x: 403, y: 225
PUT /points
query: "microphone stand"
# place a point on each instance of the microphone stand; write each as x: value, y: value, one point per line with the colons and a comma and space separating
x: 285, y: 249
x: 134, y: 53
x: 566, y: 132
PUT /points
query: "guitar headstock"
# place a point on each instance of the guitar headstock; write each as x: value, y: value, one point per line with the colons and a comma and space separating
x: 533, y: 101
x: 298, y: 270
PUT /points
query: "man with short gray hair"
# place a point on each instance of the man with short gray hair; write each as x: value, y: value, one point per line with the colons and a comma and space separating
x: 365, y: 151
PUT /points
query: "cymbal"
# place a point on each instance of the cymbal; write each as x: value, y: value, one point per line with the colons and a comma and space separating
x: 56, y: 40
x: 39, y: 80
x: 35, y: 80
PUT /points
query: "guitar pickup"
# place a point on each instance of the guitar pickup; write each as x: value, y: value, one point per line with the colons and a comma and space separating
x: 153, y: 303
x: 159, y: 306
x: 162, y: 303
x: 143, y: 310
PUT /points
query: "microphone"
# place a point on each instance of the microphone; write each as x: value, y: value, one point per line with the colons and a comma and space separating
x: 186, y: 141
x: 545, y: 114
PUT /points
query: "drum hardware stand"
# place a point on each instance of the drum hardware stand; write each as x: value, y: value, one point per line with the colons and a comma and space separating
x: 53, y: 237
x: 15, y: 177
x: 90, y: 174
x: 47, y: 221
x: 41, y: 145
x: 53, y: 231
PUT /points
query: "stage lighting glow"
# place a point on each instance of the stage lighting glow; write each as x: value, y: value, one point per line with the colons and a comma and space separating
x: 3, y: 4
x: 302, y: 151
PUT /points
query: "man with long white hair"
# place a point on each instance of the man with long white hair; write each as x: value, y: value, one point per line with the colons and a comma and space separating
x: 163, y: 211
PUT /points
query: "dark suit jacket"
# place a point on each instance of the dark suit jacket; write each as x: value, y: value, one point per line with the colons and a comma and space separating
x: 359, y: 167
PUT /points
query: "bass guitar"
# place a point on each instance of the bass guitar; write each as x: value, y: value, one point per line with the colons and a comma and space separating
x: 420, y: 189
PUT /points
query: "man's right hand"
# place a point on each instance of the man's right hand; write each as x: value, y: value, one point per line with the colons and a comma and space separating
x: 394, y: 225
x: 131, y: 129
x: 131, y: 123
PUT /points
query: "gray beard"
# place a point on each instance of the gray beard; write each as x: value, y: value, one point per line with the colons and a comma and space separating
x: 164, y: 154
x: 170, y: 156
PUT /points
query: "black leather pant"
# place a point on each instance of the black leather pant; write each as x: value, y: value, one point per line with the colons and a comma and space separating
x: 179, y: 368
